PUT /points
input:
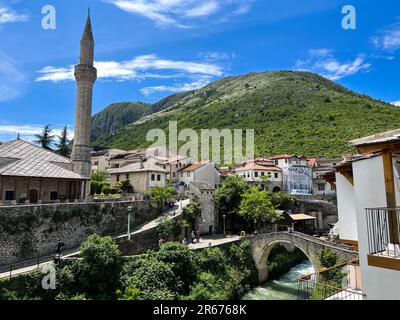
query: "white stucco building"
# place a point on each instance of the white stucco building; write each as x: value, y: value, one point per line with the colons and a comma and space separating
x: 319, y: 168
x: 142, y: 176
x: 204, y: 171
x: 262, y: 173
x: 368, y: 192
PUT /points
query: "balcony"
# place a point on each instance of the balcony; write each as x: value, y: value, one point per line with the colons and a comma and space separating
x: 383, y: 237
x: 341, y: 282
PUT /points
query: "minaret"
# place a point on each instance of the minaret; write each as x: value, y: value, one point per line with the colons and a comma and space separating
x: 85, y: 75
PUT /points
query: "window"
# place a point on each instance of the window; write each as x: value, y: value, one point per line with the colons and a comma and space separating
x: 9, y: 195
x: 127, y: 177
x: 153, y: 177
x: 256, y: 174
x: 262, y: 174
x: 53, y: 195
x: 174, y: 174
x: 276, y: 162
x: 321, y: 187
x: 276, y: 175
x: 188, y: 174
x: 159, y: 177
x: 176, y: 165
x: 117, y: 177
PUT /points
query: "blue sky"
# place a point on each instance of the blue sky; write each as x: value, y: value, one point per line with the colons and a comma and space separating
x: 148, y: 49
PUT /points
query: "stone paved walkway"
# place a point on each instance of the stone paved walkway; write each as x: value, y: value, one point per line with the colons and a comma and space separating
x: 213, y: 241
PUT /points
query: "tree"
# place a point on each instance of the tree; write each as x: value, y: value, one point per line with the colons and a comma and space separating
x: 150, y: 279
x: 125, y: 186
x: 100, y: 266
x: 229, y: 196
x: 63, y: 143
x: 98, y: 182
x: 45, y: 139
x: 257, y: 206
x: 282, y: 200
x: 160, y: 195
x: 182, y: 262
x: 191, y: 213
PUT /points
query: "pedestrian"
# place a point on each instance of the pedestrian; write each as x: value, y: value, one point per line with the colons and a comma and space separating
x: 197, y: 236
x: 160, y: 243
x: 59, y: 247
x: 184, y: 241
x: 193, y: 236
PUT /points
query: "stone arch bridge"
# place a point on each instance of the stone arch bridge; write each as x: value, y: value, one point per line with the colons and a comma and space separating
x: 262, y: 245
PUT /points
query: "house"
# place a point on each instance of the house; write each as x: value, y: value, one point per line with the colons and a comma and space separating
x: 204, y: 171
x: 368, y: 193
x: 204, y: 193
x: 172, y: 164
x: 296, y: 172
x: 141, y: 175
x: 261, y: 172
x: 117, y: 158
x: 320, y: 167
x: 29, y: 173
x: 101, y: 159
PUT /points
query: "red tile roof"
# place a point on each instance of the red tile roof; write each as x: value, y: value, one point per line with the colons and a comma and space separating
x: 195, y: 166
x: 253, y: 166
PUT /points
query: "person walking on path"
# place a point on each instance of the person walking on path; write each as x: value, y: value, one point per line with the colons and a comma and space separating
x: 192, y: 237
x: 197, y: 236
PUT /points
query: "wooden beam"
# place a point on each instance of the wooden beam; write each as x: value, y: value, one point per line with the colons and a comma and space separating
x: 378, y: 147
x: 384, y: 262
x: 349, y: 176
x: 390, y: 195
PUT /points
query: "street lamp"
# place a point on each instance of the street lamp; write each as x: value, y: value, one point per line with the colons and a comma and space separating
x: 224, y: 216
x: 129, y: 222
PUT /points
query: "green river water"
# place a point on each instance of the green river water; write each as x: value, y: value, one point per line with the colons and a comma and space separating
x: 285, y: 288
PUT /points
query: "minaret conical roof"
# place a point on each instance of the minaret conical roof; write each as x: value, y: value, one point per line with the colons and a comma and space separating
x: 87, y: 33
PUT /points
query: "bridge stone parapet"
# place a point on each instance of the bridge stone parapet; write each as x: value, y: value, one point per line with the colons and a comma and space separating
x: 262, y: 245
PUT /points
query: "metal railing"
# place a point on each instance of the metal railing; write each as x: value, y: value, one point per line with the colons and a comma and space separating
x: 383, y: 230
x: 19, y: 268
x: 310, y: 286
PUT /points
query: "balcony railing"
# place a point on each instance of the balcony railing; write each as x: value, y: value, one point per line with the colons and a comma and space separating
x: 319, y: 285
x: 383, y: 232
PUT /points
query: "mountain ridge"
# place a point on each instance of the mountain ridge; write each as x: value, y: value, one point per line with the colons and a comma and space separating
x: 291, y: 112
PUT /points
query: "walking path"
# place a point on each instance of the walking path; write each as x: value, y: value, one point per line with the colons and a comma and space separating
x: 34, y: 264
x: 213, y: 241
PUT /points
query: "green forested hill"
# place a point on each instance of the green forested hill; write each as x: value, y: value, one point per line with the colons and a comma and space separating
x: 291, y: 112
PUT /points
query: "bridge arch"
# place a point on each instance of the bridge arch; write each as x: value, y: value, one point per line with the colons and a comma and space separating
x: 262, y: 245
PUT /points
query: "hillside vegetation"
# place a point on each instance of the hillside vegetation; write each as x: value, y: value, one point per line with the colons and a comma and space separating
x: 291, y: 112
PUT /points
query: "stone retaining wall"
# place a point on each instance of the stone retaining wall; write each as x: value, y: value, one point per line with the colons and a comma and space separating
x: 33, y: 231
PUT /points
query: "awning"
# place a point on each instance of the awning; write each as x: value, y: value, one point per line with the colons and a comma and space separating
x: 302, y: 217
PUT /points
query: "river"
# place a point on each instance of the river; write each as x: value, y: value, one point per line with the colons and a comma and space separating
x: 285, y: 288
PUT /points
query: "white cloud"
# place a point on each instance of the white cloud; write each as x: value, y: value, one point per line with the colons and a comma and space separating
x: 8, y: 15
x: 389, y: 38
x: 216, y: 56
x: 323, y: 62
x: 179, y: 13
x: 134, y: 69
x: 11, y: 79
x: 179, y: 87
x: 396, y: 103
x: 27, y: 131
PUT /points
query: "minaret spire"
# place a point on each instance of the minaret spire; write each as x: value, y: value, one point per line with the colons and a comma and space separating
x: 85, y: 75
x: 87, y: 43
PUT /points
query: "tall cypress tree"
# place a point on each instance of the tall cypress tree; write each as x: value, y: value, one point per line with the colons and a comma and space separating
x: 63, y: 143
x: 45, y: 139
